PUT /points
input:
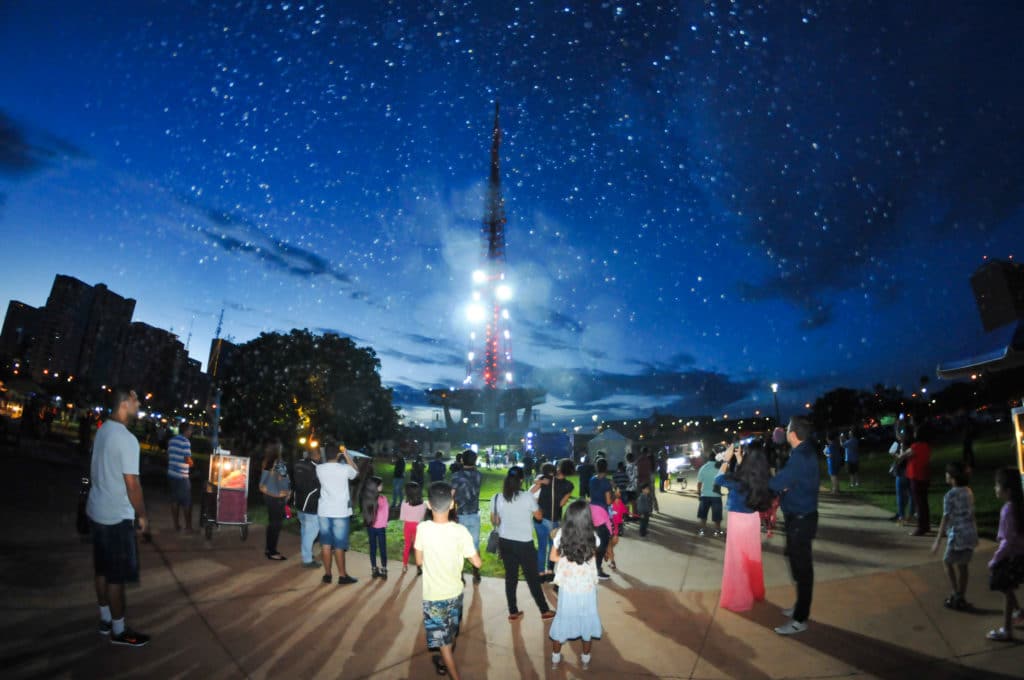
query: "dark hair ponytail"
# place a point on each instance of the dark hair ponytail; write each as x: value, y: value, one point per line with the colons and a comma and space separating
x: 1009, y: 478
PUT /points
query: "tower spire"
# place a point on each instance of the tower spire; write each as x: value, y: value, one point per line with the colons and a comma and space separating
x: 494, y: 236
x: 494, y: 220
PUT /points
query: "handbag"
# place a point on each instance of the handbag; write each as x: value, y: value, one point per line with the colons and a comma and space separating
x: 492, y: 542
x: 493, y: 538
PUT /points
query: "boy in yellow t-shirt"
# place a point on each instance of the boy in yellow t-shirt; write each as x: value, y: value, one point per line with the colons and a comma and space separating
x: 441, y: 547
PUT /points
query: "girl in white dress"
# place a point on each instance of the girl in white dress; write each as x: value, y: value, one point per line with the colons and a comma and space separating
x: 576, y: 577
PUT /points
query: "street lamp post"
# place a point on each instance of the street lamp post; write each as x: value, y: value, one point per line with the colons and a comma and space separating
x: 775, y: 398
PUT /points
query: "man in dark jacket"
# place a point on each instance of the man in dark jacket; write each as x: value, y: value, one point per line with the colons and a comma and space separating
x: 436, y: 469
x: 307, y: 495
x: 797, y: 483
x: 398, y: 481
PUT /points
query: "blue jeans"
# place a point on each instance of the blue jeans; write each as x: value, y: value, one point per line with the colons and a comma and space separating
x: 472, y: 523
x: 378, y: 543
x: 397, y: 486
x: 544, y: 528
x: 904, y: 501
x: 334, y: 532
x: 310, y: 527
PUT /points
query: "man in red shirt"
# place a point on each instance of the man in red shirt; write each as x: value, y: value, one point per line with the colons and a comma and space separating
x: 918, y: 458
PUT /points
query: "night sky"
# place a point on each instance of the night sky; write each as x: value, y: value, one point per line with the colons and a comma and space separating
x: 703, y: 197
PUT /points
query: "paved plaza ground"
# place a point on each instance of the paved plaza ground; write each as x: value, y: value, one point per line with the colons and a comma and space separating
x: 219, y: 609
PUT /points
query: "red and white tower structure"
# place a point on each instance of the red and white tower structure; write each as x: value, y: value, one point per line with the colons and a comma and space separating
x: 491, y: 291
x: 492, y: 410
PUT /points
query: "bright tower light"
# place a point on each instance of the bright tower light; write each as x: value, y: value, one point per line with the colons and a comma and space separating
x: 479, y: 276
x: 504, y: 292
x: 775, y: 387
x: 475, y: 312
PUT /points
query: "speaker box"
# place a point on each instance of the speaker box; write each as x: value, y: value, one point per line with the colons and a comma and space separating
x: 999, y: 293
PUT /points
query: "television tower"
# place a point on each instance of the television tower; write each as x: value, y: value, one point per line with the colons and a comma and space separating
x: 492, y: 410
x: 491, y: 292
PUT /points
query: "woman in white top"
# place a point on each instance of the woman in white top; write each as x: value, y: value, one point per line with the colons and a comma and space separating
x: 513, y: 512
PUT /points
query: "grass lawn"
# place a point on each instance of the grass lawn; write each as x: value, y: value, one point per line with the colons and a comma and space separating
x: 990, y: 453
x: 492, y: 481
x: 359, y: 541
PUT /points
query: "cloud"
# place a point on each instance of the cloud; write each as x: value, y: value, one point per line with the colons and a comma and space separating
x: 235, y: 233
x: 432, y: 359
x: 239, y: 307
x: 323, y: 330
x: 408, y: 395
x: 688, y: 391
x: 22, y: 153
x: 674, y: 362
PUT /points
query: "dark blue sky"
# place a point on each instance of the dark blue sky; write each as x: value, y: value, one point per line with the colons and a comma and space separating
x: 703, y: 197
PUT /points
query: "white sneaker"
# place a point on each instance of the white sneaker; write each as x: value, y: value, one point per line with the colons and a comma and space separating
x: 791, y: 628
x: 555, y: 660
x: 787, y: 612
x: 700, y: 532
x: 585, y: 661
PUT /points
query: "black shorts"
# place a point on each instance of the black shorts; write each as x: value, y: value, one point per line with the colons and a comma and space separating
x: 180, y: 490
x: 714, y: 504
x: 853, y: 467
x: 115, y: 552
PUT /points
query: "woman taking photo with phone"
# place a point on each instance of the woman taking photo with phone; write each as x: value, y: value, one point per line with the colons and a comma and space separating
x: 742, y: 572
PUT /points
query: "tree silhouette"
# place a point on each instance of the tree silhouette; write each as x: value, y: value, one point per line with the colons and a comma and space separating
x: 284, y: 385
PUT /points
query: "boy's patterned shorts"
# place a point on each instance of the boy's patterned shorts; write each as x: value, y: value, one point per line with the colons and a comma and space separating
x: 441, y: 618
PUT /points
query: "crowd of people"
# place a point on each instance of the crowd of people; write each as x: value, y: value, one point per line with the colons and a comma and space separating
x: 576, y: 530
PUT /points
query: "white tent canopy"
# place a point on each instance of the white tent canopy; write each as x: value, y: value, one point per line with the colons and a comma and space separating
x: 614, y: 445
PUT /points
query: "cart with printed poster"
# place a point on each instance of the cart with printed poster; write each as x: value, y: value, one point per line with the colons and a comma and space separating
x: 225, y: 498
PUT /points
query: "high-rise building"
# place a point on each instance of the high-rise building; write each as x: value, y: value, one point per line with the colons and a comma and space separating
x: 86, y: 334
x: 21, y: 326
x: 82, y: 332
x: 154, y: 361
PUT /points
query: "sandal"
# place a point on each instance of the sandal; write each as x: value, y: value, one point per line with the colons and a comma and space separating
x: 439, y: 666
x: 999, y: 635
x: 612, y: 565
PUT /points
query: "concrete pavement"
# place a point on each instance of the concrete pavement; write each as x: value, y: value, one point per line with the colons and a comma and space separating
x: 219, y: 609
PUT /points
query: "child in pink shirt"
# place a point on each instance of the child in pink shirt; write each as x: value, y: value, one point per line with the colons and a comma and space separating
x: 375, y: 515
x: 412, y: 513
x: 1006, y: 568
x: 619, y: 511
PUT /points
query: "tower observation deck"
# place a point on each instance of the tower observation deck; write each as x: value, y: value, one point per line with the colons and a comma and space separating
x: 488, y: 399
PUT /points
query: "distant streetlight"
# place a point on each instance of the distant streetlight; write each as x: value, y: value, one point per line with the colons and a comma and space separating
x: 775, y: 398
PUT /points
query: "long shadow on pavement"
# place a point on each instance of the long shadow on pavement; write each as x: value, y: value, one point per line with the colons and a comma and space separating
x: 666, y: 617
x: 874, y: 656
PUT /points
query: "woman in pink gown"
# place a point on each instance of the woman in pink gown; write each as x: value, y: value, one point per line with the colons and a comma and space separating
x: 742, y: 572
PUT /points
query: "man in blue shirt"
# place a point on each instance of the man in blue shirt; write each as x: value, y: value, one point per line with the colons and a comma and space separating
x: 851, y: 448
x: 710, y: 498
x: 436, y: 469
x: 797, y: 482
x: 179, y: 460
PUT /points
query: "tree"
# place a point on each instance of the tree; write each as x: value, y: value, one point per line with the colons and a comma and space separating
x: 840, y: 407
x: 284, y: 385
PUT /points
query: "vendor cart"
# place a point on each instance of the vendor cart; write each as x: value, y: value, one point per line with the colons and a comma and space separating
x: 225, y: 498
